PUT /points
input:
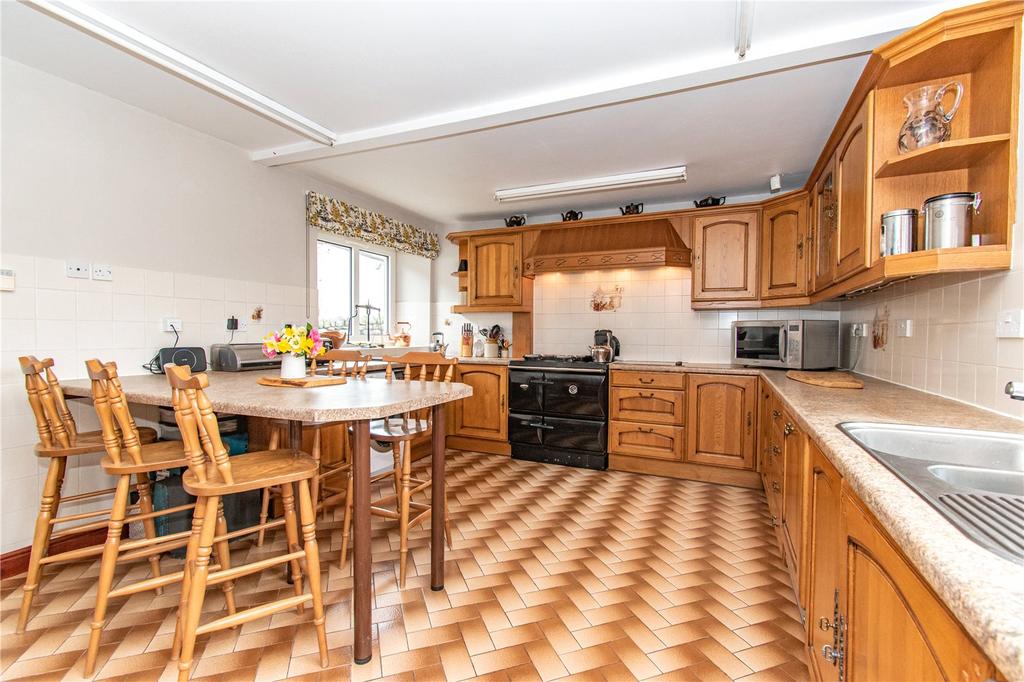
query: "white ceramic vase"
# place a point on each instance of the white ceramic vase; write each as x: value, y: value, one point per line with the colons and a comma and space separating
x: 293, y: 366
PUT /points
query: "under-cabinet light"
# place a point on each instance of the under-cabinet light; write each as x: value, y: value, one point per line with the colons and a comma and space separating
x: 607, y: 182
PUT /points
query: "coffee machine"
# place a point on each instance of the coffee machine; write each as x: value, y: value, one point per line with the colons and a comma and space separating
x: 604, y: 337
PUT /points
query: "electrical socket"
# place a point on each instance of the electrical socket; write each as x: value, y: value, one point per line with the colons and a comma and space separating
x: 859, y: 329
x: 1010, y: 324
x: 102, y: 272
x: 77, y: 269
x: 170, y: 324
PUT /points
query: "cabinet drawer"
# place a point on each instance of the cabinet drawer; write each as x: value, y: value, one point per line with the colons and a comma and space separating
x: 651, y: 406
x: 670, y: 380
x: 646, y: 440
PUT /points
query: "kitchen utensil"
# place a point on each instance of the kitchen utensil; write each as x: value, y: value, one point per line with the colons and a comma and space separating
x: 571, y: 215
x: 604, y: 337
x: 632, y: 209
x: 927, y: 122
x: 709, y: 201
x: 466, y: 347
x: 515, y: 221
x: 601, y: 353
x: 825, y: 379
x: 948, y: 219
x: 899, y: 231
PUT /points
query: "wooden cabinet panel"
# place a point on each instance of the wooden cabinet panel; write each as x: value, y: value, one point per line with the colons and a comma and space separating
x: 824, y: 564
x: 650, y: 440
x: 720, y: 416
x: 725, y: 256
x: 650, y: 406
x: 485, y: 413
x: 669, y: 380
x: 495, y: 270
x: 824, y: 228
x: 896, y: 628
x: 794, y: 455
x: 783, y: 265
x: 853, y: 178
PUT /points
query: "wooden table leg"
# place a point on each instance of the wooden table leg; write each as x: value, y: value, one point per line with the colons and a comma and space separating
x: 437, y: 499
x: 362, y: 579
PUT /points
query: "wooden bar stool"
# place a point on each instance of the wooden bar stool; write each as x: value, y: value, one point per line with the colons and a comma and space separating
x: 126, y: 457
x: 337, y: 364
x: 211, y: 475
x: 400, y: 431
x: 60, y: 439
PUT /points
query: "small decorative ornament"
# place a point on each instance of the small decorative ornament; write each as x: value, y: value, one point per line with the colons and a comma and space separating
x: 709, y: 201
x: 515, y: 220
x: 257, y: 313
x: 602, y: 302
x: 571, y: 215
x: 880, y: 328
x: 632, y: 209
x: 294, y: 344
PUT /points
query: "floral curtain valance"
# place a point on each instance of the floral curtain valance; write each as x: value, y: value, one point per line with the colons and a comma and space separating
x: 337, y: 217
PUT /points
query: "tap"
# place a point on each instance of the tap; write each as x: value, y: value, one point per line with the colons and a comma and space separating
x: 1015, y: 389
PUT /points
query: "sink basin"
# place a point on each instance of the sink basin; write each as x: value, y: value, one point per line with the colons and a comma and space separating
x: 973, y: 478
x: 998, y: 481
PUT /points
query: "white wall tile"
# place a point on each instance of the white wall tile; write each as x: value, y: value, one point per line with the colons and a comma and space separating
x: 95, y: 306
x: 52, y: 304
x: 159, y: 283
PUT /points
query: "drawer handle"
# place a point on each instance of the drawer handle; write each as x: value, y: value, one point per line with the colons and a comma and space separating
x: 646, y: 381
x: 643, y: 430
x: 541, y: 426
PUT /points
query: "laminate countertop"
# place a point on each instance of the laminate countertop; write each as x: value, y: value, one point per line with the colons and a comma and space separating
x: 984, y: 591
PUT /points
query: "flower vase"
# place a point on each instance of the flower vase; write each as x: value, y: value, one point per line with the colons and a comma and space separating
x: 293, y: 366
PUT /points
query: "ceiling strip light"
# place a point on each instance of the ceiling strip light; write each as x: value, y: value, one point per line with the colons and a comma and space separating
x: 607, y: 182
x: 138, y: 44
x: 744, y: 26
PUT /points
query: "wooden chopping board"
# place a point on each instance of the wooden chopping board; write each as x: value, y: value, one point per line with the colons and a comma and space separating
x: 826, y: 379
x: 307, y: 382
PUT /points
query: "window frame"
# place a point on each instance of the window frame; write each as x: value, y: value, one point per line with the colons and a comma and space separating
x: 356, y: 247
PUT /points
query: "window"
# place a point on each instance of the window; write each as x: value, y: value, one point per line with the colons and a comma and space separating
x: 354, y: 290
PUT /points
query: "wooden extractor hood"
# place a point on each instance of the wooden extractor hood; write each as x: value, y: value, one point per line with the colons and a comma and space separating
x: 605, y: 245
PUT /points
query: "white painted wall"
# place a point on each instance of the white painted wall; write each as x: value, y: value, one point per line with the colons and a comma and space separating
x: 192, y: 227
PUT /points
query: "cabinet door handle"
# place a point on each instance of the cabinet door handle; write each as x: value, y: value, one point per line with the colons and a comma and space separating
x: 750, y: 421
x: 830, y: 654
x: 825, y: 624
x: 502, y: 403
x: 776, y: 450
x: 776, y: 414
x: 788, y: 430
x: 800, y: 248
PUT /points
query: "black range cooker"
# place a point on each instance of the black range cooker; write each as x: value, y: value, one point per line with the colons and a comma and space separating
x: 558, y: 410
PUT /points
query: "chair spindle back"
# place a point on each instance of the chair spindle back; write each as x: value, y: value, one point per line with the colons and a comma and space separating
x: 54, y: 422
x: 344, y: 357
x: 120, y: 434
x: 424, y: 361
x: 207, y: 456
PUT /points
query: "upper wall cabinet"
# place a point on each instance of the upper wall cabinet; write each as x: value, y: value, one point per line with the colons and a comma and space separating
x: 493, y: 280
x: 725, y: 256
x: 823, y: 232
x: 854, y: 227
x: 783, y: 248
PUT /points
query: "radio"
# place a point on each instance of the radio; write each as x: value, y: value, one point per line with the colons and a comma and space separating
x: 193, y: 357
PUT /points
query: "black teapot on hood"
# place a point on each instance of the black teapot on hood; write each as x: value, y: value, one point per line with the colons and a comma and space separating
x: 632, y: 209
x: 571, y: 215
x: 515, y: 221
x: 709, y: 201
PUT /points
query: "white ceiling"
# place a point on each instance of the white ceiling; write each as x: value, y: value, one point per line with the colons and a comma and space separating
x: 440, y: 103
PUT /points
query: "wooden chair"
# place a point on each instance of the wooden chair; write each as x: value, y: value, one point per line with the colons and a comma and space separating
x: 400, y: 431
x: 337, y: 364
x: 211, y: 475
x: 127, y: 457
x: 60, y: 439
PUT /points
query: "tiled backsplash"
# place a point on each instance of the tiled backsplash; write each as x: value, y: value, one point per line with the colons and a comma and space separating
x: 953, y: 350
x: 654, y: 322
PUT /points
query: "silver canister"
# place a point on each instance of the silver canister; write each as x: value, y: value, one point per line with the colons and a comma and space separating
x: 899, y: 231
x: 948, y: 219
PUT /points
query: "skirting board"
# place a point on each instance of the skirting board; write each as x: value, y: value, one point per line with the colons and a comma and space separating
x: 491, y: 447
x: 742, y: 478
x: 16, y: 560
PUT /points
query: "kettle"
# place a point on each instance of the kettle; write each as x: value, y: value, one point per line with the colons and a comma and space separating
x: 601, y: 353
x: 437, y: 344
x: 604, y: 337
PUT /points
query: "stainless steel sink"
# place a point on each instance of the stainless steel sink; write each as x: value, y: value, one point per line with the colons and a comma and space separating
x: 973, y: 478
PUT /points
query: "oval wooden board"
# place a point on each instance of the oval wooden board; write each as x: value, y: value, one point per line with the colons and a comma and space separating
x: 826, y: 379
x: 308, y: 382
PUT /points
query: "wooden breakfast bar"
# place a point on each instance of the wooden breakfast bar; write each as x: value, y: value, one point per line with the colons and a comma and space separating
x: 358, y: 402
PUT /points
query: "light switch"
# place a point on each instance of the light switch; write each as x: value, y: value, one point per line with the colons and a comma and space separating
x: 1010, y: 324
x: 77, y: 269
x: 6, y: 279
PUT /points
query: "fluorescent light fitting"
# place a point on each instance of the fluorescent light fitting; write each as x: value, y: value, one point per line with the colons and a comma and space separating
x: 744, y: 26
x: 88, y: 20
x: 601, y: 184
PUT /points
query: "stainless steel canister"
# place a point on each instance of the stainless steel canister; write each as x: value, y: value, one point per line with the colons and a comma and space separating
x: 948, y: 218
x: 899, y: 231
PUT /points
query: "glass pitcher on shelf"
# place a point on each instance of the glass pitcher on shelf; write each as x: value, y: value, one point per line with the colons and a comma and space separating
x: 927, y: 121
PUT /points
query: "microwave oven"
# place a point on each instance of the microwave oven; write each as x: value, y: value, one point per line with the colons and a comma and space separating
x: 790, y: 344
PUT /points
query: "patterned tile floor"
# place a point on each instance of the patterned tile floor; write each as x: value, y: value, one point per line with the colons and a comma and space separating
x: 556, y: 573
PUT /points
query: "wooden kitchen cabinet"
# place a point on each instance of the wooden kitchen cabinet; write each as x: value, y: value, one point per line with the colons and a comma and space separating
x: 646, y: 440
x: 823, y: 564
x: 783, y: 252
x: 725, y: 256
x: 483, y: 415
x: 823, y: 232
x: 853, y: 179
x: 895, y: 626
x: 794, y: 456
x: 495, y: 270
x: 647, y: 406
x: 720, y: 419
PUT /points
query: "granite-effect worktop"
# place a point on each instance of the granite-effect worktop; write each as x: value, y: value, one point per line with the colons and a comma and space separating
x: 984, y: 591
x: 485, y: 361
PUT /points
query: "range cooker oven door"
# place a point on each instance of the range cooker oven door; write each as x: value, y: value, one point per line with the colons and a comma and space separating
x: 557, y: 432
x: 576, y: 395
x: 526, y: 391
